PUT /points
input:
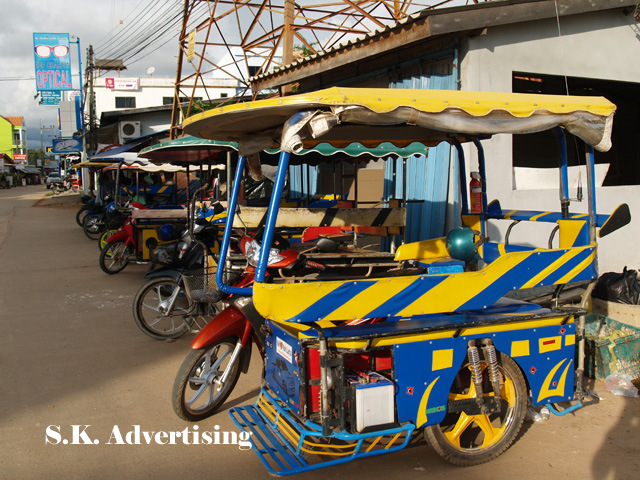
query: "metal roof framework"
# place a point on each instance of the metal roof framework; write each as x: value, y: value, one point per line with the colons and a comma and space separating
x: 239, y: 39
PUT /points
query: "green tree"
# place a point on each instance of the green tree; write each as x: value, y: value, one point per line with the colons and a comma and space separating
x: 34, y: 154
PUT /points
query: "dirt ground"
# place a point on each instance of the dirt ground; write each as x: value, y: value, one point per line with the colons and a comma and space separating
x: 70, y: 354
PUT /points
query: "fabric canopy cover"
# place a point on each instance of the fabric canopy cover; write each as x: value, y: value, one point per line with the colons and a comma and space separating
x: 399, y: 116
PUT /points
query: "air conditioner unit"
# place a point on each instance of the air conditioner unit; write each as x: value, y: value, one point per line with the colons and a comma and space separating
x: 128, y: 130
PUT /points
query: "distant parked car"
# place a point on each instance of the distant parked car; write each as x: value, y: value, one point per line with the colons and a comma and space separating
x: 54, y: 177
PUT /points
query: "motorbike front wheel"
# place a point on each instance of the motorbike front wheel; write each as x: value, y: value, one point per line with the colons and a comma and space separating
x: 93, y: 226
x: 113, y: 257
x: 197, y: 392
x: 467, y: 440
x: 153, y: 313
x: 80, y: 215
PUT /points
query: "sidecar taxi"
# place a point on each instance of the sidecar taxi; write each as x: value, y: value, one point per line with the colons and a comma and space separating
x: 428, y: 340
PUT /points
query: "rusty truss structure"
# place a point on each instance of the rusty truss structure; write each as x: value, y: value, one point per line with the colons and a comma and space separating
x: 230, y: 41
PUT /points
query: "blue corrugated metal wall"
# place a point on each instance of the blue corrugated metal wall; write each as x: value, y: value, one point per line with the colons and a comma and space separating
x: 303, y: 181
x: 427, y: 176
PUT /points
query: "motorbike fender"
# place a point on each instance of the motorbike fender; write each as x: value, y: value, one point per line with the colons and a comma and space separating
x: 119, y: 236
x: 230, y: 322
x: 164, y: 272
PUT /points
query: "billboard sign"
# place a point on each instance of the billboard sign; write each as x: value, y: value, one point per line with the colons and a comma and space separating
x: 122, y: 83
x: 53, y: 61
x: 50, y: 98
x: 67, y: 145
x: 20, y: 158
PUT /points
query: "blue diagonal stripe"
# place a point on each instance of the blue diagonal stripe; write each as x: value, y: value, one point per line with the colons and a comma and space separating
x: 406, y: 297
x: 331, y: 301
x: 516, y: 277
x: 566, y: 267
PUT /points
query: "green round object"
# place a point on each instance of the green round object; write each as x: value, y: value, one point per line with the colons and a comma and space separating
x: 460, y: 244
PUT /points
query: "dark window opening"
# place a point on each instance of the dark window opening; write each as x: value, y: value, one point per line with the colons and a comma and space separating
x: 540, y: 150
x: 169, y: 100
x: 125, y: 102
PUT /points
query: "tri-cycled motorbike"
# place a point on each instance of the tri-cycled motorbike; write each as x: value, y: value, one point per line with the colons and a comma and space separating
x: 222, y: 349
x: 427, y: 339
x: 170, y: 303
x: 135, y: 240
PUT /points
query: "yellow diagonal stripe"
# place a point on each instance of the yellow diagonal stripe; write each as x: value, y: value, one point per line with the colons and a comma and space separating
x: 552, y: 268
x: 536, y: 217
x: 581, y: 266
x: 458, y: 289
x: 370, y: 298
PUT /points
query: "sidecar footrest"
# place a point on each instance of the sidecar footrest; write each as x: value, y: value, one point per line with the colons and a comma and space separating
x: 287, y: 446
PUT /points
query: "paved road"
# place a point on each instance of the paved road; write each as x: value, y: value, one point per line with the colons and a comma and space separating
x: 70, y: 354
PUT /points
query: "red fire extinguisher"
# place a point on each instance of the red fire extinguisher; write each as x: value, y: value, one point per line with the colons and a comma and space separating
x: 475, y: 189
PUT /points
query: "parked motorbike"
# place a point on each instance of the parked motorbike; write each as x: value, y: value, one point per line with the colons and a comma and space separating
x: 126, y: 244
x: 93, y: 223
x: 223, y: 347
x: 169, y: 304
x: 61, y: 186
x: 88, y: 206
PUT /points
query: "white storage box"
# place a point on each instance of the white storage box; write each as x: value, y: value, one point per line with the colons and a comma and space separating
x: 374, y: 404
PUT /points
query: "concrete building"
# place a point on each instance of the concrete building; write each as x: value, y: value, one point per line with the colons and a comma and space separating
x: 13, y: 136
x: 138, y: 106
x: 581, y: 47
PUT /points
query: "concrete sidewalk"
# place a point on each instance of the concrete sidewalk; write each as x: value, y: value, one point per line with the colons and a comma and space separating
x: 70, y: 354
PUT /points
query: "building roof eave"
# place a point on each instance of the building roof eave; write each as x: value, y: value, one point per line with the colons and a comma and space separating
x: 428, y: 24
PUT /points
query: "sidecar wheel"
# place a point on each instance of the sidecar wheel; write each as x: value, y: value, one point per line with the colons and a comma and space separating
x: 468, y: 440
x: 113, y: 257
x: 103, y: 238
x: 195, y: 394
x: 152, y: 318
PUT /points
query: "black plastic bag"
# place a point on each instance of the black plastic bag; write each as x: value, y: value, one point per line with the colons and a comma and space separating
x: 618, y: 287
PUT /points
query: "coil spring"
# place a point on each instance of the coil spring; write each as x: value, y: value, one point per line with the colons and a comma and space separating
x: 494, y: 373
x: 476, y: 369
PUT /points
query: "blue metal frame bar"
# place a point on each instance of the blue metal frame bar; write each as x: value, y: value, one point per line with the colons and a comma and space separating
x: 483, y: 179
x: 272, y: 215
x: 483, y: 173
x: 570, y: 409
x: 564, y: 171
x: 463, y: 176
x: 288, y: 457
x: 226, y: 236
x: 592, y: 182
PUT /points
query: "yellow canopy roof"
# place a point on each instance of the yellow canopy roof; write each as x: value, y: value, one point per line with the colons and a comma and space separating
x: 400, y: 116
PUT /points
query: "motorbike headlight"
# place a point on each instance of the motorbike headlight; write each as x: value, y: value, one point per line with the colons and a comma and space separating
x: 252, y: 252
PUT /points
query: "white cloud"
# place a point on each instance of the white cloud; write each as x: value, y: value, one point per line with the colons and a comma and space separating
x: 89, y: 20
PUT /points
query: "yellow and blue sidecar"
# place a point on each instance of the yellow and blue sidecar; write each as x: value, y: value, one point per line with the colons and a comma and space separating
x: 426, y: 339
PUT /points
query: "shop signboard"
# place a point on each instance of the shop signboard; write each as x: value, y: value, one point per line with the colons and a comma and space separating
x: 20, y: 158
x: 122, y: 83
x: 67, y: 145
x: 52, y: 61
x: 50, y: 98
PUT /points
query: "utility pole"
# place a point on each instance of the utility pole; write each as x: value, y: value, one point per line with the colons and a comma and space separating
x: 287, y: 40
x: 92, y: 144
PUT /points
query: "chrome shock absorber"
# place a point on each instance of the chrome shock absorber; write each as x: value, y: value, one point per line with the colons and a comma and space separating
x: 476, y: 369
x: 494, y: 372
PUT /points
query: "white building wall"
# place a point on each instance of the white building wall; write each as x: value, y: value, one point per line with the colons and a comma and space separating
x: 152, y: 90
x: 602, y: 45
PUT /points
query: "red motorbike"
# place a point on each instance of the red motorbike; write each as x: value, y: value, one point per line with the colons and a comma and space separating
x: 222, y: 349
x: 132, y: 243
